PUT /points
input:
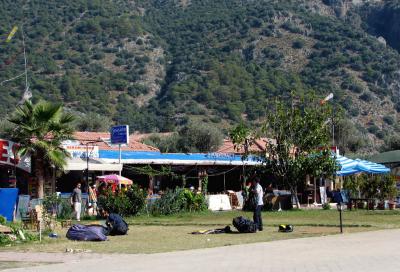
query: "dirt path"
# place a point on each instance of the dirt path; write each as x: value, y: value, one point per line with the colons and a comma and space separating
x: 364, y: 252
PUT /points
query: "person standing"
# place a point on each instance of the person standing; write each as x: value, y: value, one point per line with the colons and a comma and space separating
x: 93, y: 198
x: 259, y: 203
x: 76, y: 199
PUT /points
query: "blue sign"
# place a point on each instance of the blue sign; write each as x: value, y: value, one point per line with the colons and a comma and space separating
x: 120, y: 135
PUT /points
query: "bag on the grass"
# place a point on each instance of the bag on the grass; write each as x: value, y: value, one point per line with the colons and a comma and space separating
x: 244, y: 225
x: 116, y: 224
x: 87, y: 233
x: 286, y: 228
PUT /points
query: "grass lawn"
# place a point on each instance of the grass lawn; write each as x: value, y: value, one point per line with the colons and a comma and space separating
x: 171, y: 233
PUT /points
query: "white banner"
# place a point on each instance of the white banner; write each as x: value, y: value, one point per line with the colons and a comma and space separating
x: 8, y: 156
x: 79, y: 151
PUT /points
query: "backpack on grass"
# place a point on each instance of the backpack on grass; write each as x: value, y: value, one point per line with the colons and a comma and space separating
x: 286, y: 228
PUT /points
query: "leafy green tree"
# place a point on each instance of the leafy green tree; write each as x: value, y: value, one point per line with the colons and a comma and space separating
x: 93, y: 122
x: 198, y: 137
x: 166, y: 144
x: 392, y: 143
x: 40, y: 129
x: 298, y: 142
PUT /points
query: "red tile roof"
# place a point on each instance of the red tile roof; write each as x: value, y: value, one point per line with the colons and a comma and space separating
x: 141, y: 136
x: 83, y: 137
x: 258, y: 146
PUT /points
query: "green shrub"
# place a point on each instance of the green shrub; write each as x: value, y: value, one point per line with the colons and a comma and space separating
x: 137, y: 198
x: 366, y: 97
x: 298, y: 44
x: 18, y: 235
x: 130, y: 202
x: 51, y: 202
x: 388, y: 119
x: 326, y: 206
x: 195, y: 202
x: 5, y: 239
x: 178, y: 200
x: 380, y: 134
x: 3, y: 220
x: 115, y: 202
x: 65, y: 209
x: 373, y: 129
x: 173, y: 201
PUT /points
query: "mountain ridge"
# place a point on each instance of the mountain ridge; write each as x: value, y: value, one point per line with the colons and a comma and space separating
x: 156, y: 65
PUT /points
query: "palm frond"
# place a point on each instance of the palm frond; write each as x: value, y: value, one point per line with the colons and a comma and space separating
x: 44, y: 111
x: 57, y: 158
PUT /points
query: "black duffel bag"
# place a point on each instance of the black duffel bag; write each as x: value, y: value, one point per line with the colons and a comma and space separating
x: 244, y: 225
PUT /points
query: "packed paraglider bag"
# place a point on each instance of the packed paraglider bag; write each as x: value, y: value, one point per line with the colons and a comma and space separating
x: 87, y: 233
x: 244, y: 225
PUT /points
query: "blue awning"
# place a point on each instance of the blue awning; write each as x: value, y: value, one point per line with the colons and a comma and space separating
x: 143, y: 157
x: 350, y: 166
x: 347, y: 166
x: 372, y: 167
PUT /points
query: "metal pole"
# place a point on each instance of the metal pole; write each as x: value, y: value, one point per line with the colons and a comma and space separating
x: 87, y: 164
x: 119, y: 161
x: 25, y: 62
x: 333, y: 126
x: 224, y: 183
x: 341, y: 225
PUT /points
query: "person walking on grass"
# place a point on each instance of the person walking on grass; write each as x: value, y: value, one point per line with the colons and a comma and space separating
x: 257, y: 190
x: 76, y: 201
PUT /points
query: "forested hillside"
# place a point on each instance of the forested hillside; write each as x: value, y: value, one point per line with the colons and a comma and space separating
x: 156, y: 65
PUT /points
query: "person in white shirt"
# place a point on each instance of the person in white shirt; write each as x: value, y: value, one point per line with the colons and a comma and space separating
x: 258, y: 192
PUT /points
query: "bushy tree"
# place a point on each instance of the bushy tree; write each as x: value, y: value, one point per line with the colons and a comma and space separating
x: 391, y: 143
x: 298, y: 142
x: 93, y: 122
x: 199, y: 137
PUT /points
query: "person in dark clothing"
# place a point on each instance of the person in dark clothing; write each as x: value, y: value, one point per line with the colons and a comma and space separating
x: 115, y: 223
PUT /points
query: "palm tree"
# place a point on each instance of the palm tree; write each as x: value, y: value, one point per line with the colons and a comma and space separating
x: 40, y: 130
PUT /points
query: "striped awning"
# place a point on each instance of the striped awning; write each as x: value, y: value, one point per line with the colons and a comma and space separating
x: 347, y: 166
x: 350, y: 166
x: 371, y: 167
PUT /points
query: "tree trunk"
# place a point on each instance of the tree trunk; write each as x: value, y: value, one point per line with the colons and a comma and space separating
x: 40, y: 184
x: 39, y: 173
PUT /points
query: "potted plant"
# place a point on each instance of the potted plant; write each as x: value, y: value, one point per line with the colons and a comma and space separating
x: 392, y: 205
x: 370, y: 189
x: 361, y: 205
x: 389, y: 190
x: 371, y: 205
x: 351, y: 184
x: 349, y: 205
